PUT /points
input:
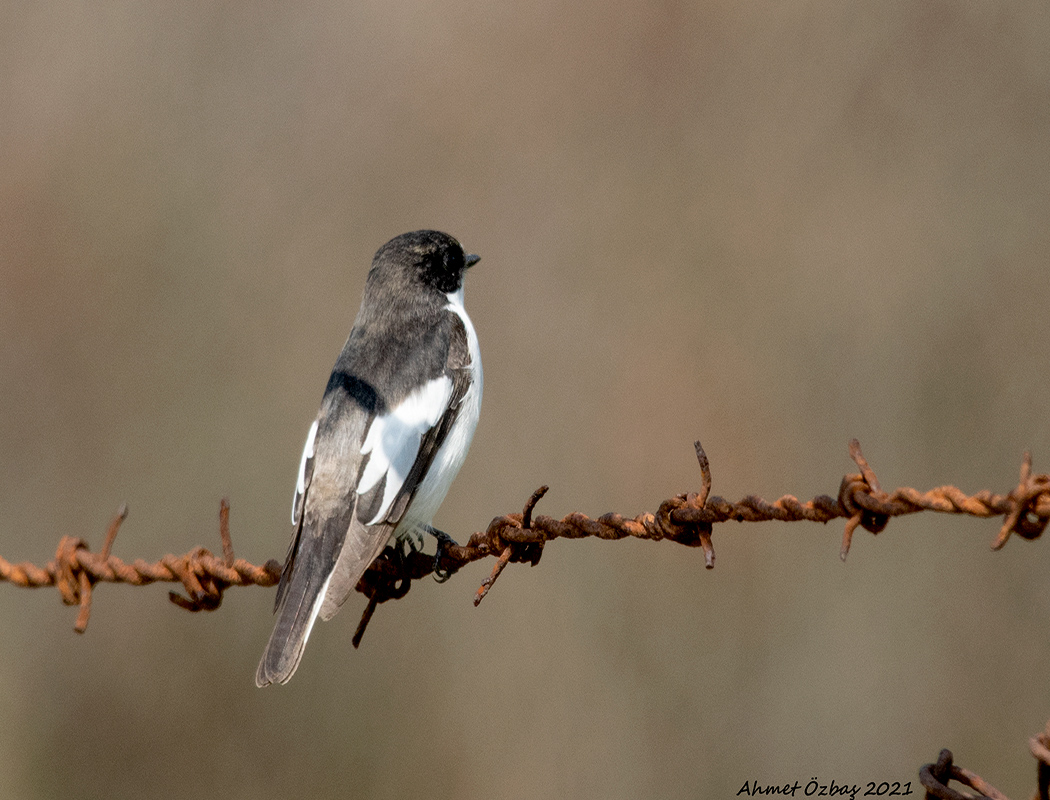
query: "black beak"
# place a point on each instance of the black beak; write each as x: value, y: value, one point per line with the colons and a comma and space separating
x: 470, y: 259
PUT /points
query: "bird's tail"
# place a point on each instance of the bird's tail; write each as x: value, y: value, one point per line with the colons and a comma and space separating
x: 323, y: 567
x: 303, y: 589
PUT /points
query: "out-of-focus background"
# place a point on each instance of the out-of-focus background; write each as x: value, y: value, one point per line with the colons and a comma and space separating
x: 770, y: 227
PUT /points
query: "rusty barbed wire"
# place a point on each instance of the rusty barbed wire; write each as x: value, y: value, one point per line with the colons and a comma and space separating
x: 520, y: 538
x: 935, y: 777
x: 688, y: 518
x: 75, y: 570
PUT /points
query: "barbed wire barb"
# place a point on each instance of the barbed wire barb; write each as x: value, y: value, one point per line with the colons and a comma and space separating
x: 504, y: 556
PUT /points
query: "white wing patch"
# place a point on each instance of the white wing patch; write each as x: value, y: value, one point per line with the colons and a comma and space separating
x: 392, y: 443
x: 304, y: 462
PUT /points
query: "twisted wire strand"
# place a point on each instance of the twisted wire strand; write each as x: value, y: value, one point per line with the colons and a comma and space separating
x: 520, y: 538
x: 75, y: 570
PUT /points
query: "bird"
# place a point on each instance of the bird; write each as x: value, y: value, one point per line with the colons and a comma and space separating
x: 395, y: 423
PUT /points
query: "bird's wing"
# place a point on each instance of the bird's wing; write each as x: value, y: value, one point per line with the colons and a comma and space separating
x: 324, y: 505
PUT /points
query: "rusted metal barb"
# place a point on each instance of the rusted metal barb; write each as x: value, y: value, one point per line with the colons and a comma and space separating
x: 508, y: 551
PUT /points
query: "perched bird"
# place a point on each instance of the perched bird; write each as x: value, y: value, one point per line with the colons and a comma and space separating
x: 395, y: 424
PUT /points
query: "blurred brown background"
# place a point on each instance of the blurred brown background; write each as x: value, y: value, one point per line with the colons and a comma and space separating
x: 770, y: 226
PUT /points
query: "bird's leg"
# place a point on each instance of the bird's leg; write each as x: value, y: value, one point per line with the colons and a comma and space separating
x: 379, y: 585
x: 443, y: 541
x: 399, y: 550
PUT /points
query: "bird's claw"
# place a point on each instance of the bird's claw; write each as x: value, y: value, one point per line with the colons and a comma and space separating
x: 443, y: 541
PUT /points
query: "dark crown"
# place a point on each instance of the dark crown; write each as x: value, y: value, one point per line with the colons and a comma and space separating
x: 434, y: 257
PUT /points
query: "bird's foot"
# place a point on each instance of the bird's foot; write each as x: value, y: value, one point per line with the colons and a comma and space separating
x: 444, y: 541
